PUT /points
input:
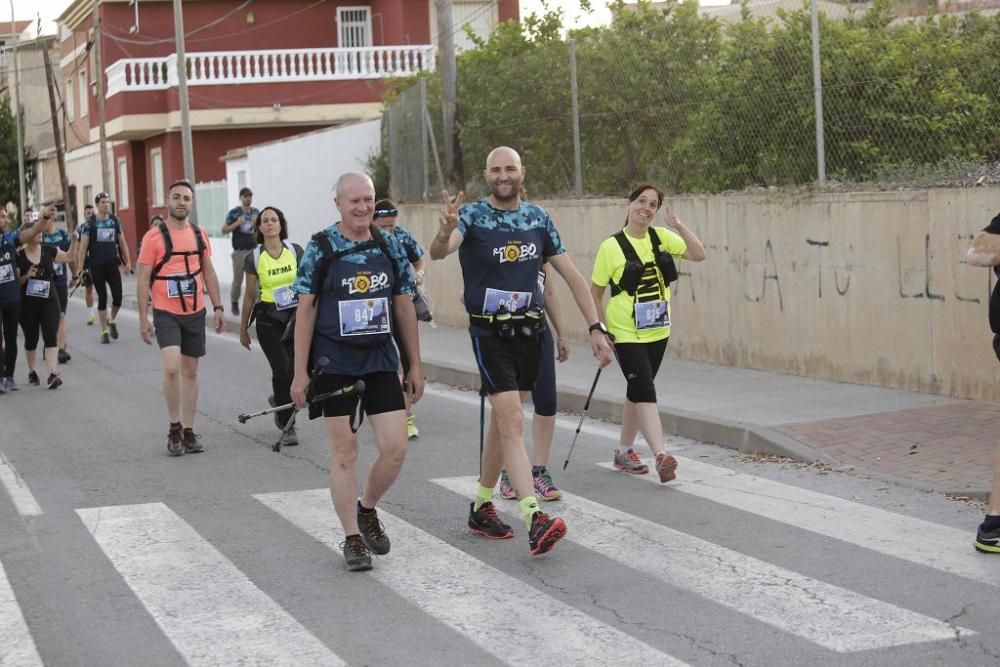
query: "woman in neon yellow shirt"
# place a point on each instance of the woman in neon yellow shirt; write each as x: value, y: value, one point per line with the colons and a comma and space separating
x: 638, y: 315
x: 272, y: 266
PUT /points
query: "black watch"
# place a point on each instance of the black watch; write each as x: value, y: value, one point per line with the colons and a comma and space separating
x: 598, y: 326
x: 218, y: 308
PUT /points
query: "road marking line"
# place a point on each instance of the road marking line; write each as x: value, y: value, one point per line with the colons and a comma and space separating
x: 897, y: 535
x: 211, y: 612
x: 462, y: 592
x: 16, y: 645
x: 833, y: 617
x: 890, y: 533
x: 18, y: 491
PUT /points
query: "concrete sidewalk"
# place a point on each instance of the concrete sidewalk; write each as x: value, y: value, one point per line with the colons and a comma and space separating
x: 921, y: 440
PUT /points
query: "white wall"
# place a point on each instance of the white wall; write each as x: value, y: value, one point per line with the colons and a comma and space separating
x: 297, y: 175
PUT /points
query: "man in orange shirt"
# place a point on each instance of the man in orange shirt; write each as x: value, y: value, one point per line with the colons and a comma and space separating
x: 176, y: 274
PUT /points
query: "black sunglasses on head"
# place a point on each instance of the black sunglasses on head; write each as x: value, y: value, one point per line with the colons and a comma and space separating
x: 387, y: 213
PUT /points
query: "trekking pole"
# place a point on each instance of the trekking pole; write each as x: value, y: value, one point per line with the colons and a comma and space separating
x: 79, y: 281
x: 482, y: 429
x: 586, y: 406
x: 357, y: 387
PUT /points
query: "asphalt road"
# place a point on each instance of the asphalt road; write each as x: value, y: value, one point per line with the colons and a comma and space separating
x: 113, y: 553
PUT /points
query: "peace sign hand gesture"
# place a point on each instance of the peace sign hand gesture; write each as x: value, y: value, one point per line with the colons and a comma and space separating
x: 449, y: 212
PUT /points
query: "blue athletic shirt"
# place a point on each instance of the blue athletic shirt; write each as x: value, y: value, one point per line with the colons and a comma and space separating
x: 413, y: 250
x: 10, y: 288
x: 501, y: 255
x: 345, y: 359
x: 103, y: 246
x: 58, y: 239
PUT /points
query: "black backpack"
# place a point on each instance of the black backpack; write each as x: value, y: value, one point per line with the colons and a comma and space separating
x: 168, y: 246
x: 634, y: 268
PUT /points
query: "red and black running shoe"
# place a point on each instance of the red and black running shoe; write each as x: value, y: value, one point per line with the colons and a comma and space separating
x: 486, y: 522
x: 545, y: 532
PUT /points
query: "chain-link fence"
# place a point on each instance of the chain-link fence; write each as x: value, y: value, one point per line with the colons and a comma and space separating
x: 698, y: 104
x: 411, y: 144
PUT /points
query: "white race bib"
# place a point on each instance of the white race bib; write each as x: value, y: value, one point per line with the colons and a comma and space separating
x: 6, y: 273
x: 285, y: 297
x: 652, y: 315
x: 364, y: 317
x: 106, y: 234
x: 516, y: 303
x: 38, y: 288
x: 187, y: 287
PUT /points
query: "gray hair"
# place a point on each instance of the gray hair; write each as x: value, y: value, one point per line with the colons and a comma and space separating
x: 350, y: 177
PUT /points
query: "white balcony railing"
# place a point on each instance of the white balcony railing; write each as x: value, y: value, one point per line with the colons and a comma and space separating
x: 213, y: 68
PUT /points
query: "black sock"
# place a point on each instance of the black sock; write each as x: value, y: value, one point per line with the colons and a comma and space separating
x: 175, y: 426
x: 991, y: 522
x: 364, y: 510
x: 535, y: 470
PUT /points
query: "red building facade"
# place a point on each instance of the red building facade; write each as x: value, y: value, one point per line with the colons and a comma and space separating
x: 256, y: 72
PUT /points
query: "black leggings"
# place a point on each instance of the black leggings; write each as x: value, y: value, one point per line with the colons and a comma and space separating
x: 105, y: 276
x: 10, y: 315
x: 544, y: 393
x: 639, y: 363
x: 269, y: 334
x: 40, y: 314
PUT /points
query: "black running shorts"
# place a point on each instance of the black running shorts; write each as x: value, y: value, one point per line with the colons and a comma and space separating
x: 382, y: 393
x: 507, y: 364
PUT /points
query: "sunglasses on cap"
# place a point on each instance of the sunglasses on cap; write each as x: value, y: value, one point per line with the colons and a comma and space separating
x: 100, y: 196
x: 387, y: 213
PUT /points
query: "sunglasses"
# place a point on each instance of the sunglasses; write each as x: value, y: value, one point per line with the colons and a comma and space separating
x: 387, y: 213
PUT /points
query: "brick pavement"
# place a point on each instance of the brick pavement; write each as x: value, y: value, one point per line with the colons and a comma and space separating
x: 947, y: 447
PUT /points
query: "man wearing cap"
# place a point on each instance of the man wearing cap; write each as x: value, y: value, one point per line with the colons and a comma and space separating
x: 385, y: 217
x: 103, y: 248
x: 240, y: 223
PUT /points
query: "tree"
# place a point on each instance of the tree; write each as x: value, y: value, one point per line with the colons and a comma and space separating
x: 9, y: 191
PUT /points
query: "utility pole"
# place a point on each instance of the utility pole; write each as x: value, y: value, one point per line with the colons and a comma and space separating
x: 57, y: 135
x: 182, y: 89
x: 449, y: 91
x: 18, y: 124
x: 818, y: 97
x: 99, y: 76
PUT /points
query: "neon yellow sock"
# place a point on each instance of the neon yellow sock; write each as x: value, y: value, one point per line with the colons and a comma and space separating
x: 529, y: 508
x: 483, y: 495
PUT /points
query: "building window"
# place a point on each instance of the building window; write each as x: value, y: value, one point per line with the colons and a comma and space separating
x: 88, y: 196
x: 241, y: 178
x: 70, y: 113
x: 354, y: 27
x: 122, y: 183
x: 84, y: 101
x: 480, y: 17
x: 156, y: 169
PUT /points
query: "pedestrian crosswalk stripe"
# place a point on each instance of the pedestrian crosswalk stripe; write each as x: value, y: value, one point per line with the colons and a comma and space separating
x: 16, y: 645
x: 211, y: 612
x: 833, y: 617
x: 18, y: 491
x: 889, y: 533
x: 461, y: 591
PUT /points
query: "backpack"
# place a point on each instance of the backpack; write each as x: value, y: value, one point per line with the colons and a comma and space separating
x: 329, y: 256
x: 634, y: 268
x: 168, y: 246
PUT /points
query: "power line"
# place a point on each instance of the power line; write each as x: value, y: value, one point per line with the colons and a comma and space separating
x: 187, y: 35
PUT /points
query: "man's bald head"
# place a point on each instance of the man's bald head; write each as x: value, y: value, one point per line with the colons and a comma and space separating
x: 351, y: 177
x: 502, y: 154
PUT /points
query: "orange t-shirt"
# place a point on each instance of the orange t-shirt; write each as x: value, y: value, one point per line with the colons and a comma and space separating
x: 153, y: 251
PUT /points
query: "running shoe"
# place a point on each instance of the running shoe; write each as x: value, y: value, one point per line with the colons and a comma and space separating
x: 630, y: 462
x: 545, y: 532
x: 3, y: 385
x: 372, y: 532
x: 486, y: 522
x: 412, y: 432
x: 236, y: 307
x: 33, y: 378
x: 506, y: 488
x: 113, y: 329
x: 10, y: 384
x: 987, y: 541
x: 666, y: 466
x: 191, y: 444
x: 90, y: 320
x: 54, y: 381
x: 290, y: 438
x: 175, y: 441
x: 356, y: 554
x: 63, y: 355
x: 105, y: 337
x: 544, y: 487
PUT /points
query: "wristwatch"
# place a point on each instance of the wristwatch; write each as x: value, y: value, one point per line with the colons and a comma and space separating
x: 598, y: 326
x: 218, y: 308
